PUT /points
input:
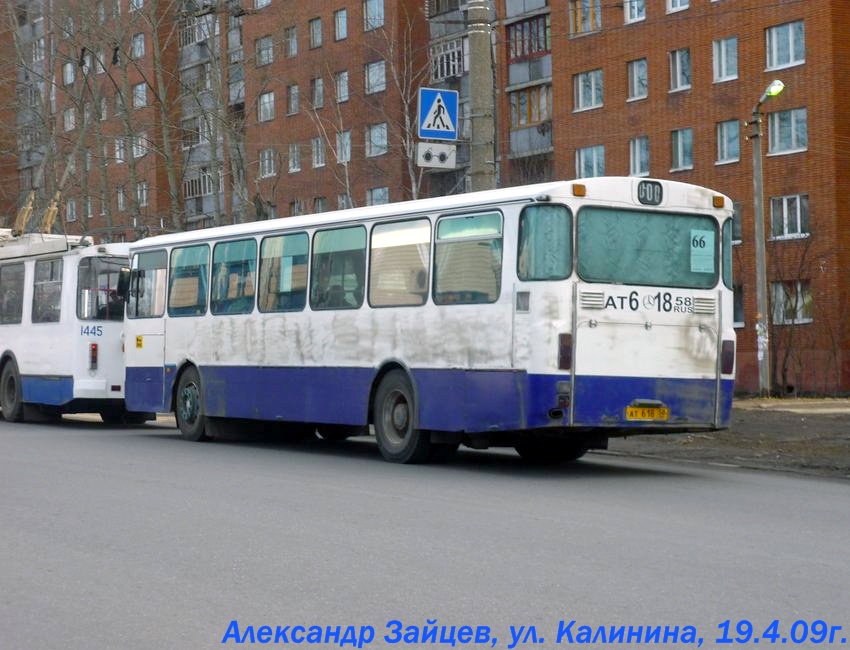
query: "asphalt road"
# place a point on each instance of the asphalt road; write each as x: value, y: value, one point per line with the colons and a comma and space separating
x: 133, y: 538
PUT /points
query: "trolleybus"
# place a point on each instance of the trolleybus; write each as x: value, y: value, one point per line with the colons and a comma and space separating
x: 546, y: 317
x: 61, y: 320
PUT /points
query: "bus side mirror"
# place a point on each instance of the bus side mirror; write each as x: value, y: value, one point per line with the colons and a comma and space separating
x: 124, y: 283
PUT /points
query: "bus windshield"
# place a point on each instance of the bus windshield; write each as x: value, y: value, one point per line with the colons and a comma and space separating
x: 647, y: 248
x: 97, y: 289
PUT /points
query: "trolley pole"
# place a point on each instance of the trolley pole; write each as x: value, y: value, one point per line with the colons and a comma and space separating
x: 482, y: 169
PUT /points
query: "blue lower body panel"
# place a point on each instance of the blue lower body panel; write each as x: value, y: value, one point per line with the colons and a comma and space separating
x: 449, y: 399
x: 52, y: 390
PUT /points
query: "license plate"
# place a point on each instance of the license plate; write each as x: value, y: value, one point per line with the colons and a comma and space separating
x: 648, y: 413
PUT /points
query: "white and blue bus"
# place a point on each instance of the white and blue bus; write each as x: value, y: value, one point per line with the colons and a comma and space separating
x: 61, y: 322
x: 547, y: 317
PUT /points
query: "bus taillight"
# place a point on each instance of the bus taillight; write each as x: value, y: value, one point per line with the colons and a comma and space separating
x: 92, y: 356
x: 565, y: 351
x: 727, y: 357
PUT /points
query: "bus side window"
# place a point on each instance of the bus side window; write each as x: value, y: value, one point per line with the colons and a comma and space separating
x: 233, y: 277
x: 468, y: 259
x: 47, y: 291
x: 11, y: 293
x: 400, y: 257
x: 338, y: 268
x: 187, y: 291
x: 283, y: 273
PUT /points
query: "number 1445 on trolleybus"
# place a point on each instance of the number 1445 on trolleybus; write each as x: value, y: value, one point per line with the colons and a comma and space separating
x: 547, y: 317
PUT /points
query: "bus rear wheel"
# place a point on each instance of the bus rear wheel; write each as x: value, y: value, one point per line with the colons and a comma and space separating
x: 551, y: 452
x: 189, y: 407
x: 394, y: 411
x: 11, y: 399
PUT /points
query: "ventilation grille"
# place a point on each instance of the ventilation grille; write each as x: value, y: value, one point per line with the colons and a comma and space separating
x: 592, y: 300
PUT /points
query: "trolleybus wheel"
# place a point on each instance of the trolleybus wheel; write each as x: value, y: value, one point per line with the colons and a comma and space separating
x: 551, y: 452
x: 11, y: 400
x: 189, y: 407
x: 394, y: 412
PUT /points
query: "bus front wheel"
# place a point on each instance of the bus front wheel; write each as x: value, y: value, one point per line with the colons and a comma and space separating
x: 11, y: 400
x: 394, y: 412
x: 189, y: 407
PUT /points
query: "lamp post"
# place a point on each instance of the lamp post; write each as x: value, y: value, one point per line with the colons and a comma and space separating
x: 762, y: 339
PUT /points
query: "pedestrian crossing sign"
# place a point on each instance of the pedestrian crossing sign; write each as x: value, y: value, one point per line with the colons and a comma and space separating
x: 438, y: 114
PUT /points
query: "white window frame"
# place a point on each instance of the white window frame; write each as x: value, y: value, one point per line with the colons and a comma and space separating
x: 784, y: 34
x: 294, y: 159
x: 71, y: 210
x: 140, y: 95
x: 259, y: 4
x: 317, y: 146
x: 802, y: 293
x: 677, y: 5
x: 592, y: 156
x: 69, y: 73
x: 375, y: 76
x: 264, y: 51
x: 142, y: 193
x: 341, y: 24
x: 267, y: 163
x: 137, y: 45
x: 292, y: 99
x: 120, y: 150
x: 634, y: 10
x: 316, y: 37
x: 682, y: 141
x: 588, y: 89
x: 341, y: 86
x: 265, y: 107
x: 638, y: 153
x: 120, y: 200
x: 633, y: 72
x: 69, y: 119
x: 794, y: 214
x: 343, y: 147
x: 775, y: 128
x: 135, y: 5
x: 139, y: 145
x: 317, y: 92
x: 378, y: 195
x: 290, y: 42
x: 377, y: 142
x: 449, y: 58
x: 680, y: 69
x: 373, y: 14
x: 728, y: 142
x: 724, y: 70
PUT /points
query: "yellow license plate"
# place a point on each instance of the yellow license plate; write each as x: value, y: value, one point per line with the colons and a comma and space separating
x: 648, y: 413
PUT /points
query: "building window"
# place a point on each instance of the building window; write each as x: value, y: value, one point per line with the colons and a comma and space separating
x: 737, y: 223
x: 590, y: 161
x: 344, y: 201
x: 264, y: 50
x: 585, y: 16
x: 343, y: 147
x: 296, y: 208
x: 320, y: 204
x: 677, y: 5
x: 728, y: 141
x: 786, y: 45
x: 201, y: 185
x: 69, y: 118
x: 638, y: 79
x: 587, y: 90
x: 340, y: 25
x: 137, y: 46
x: 315, y: 33
x: 294, y: 159
x: 373, y: 14
x: 376, y: 77
x: 529, y: 39
x: 376, y: 140
x: 726, y: 59
x: 119, y: 198
x: 317, y: 92
x: 71, y: 210
x: 142, y: 193
x: 788, y: 131
x: 635, y: 10
x: 449, y: 59
x: 68, y: 73
x: 377, y: 195
x: 103, y: 109
x: 135, y: 5
x: 259, y: 4
x: 89, y: 207
x: 738, y: 305
x: 290, y: 42
x: 140, y: 145
x: 38, y: 49
x: 119, y: 150
x: 265, y: 107
x: 341, y: 83
x: 639, y: 156
x: 292, y: 99
x: 792, y: 302
x: 317, y: 144
x: 267, y: 163
x: 680, y: 69
x: 531, y: 106
x: 789, y: 216
x: 140, y: 95
x: 683, y: 149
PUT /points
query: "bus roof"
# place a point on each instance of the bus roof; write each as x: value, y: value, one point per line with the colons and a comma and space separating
x: 34, y: 244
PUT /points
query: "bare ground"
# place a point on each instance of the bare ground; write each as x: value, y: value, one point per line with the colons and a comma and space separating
x: 810, y: 436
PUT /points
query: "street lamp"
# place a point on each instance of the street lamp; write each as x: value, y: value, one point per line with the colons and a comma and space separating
x: 762, y: 340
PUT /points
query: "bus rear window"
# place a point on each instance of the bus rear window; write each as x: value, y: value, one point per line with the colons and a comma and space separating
x: 647, y: 248
x: 97, y: 288
x: 47, y: 291
x: 468, y: 259
x: 545, y: 243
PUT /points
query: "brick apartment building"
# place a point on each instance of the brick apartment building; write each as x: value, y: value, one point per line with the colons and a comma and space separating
x: 225, y: 111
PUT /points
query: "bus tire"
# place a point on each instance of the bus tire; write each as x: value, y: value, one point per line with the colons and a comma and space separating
x: 551, y: 452
x: 394, y: 411
x: 189, y: 407
x: 11, y: 399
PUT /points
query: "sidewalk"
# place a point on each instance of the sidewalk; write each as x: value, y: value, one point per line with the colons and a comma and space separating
x: 810, y: 436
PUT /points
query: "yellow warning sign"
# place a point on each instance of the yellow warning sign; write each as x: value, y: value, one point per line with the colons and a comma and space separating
x: 139, y: 342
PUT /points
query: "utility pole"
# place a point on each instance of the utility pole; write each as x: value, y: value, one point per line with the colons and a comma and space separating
x: 482, y: 168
